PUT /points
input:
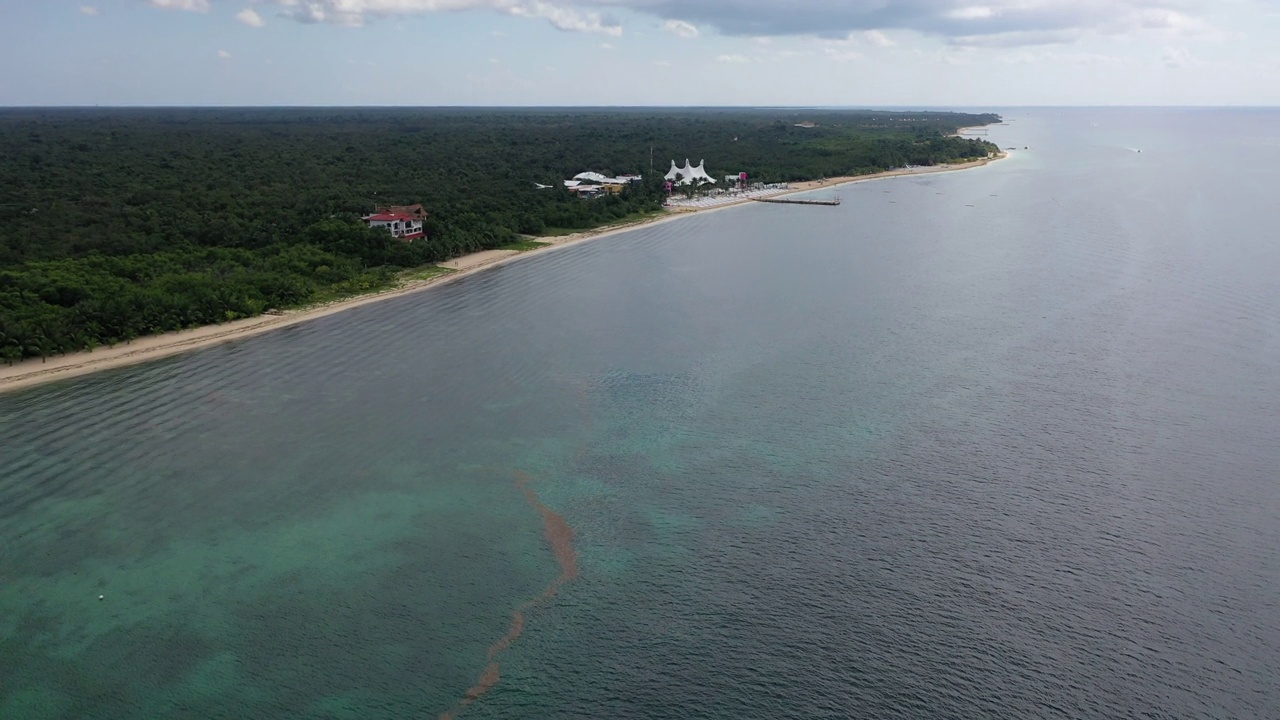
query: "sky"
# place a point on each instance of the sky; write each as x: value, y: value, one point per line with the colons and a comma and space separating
x: 867, y: 53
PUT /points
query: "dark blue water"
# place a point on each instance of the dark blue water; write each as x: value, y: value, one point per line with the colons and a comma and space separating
x: 1001, y: 443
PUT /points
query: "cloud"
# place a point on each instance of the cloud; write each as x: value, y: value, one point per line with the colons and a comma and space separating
x: 224, y: 55
x: 680, y: 28
x: 190, y: 5
x: 1018, y: 38
x: 1165, y: 19
x: 971, y: 23
x: 89, y: 10
x: 877, y: 38
x: 844, y: 49
x: 1045, y: 56
x: 355, y: 13
x: 1015, y: 21
x: 563, y: 18
x: 1179, y: 57
x: 973, y: 12
x: 840, y: 55
x: 248, y: 17
x: 736, y: 59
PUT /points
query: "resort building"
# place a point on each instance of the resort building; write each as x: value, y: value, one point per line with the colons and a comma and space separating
x: 584, y: 191
x: 594, y: 184
x: 402, y: 221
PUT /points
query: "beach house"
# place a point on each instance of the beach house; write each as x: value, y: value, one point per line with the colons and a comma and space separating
x: 402, y: 221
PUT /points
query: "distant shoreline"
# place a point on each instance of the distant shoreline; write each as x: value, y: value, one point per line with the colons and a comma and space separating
x: 31, y: 372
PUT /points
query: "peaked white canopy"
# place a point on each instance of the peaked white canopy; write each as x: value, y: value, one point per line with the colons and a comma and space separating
x: 689, y: 175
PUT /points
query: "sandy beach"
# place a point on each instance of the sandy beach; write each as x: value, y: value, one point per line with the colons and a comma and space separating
x: 730, y: 199
x: 35, y: 371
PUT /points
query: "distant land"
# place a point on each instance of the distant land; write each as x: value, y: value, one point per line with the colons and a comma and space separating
x: 121, y: 223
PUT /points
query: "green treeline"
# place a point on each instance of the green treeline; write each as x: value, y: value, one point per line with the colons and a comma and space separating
x: 120, y: 223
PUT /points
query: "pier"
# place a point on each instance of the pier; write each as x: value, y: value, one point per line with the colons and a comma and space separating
x: 798, y: 201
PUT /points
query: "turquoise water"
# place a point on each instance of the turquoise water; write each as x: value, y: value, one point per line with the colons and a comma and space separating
x: 999, y: 443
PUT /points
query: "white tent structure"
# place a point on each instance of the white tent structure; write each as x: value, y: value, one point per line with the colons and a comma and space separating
x: 689, y: 175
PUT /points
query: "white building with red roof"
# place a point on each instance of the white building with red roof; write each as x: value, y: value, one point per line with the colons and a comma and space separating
x: 402, y: 221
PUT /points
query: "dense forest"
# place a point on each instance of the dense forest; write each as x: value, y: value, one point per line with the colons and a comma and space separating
x: 125, y: 222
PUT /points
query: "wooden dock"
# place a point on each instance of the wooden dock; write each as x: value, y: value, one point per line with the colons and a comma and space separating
x: 798, y: 201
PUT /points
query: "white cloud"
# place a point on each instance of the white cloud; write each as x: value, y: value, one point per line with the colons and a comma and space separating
x: 355, y: 13
x: 1018, y: 38
x: 1173, y: 23
x: 224, y: 55
x: 1165, y: 19
x: 563, y: 18
x: 191, y: 5
x: 839, y: 55
x: 844, y: 50
x: 1179, y: 57
x: 973, y: 12
x: 248, y: 17
x: 606, y: 46
x: 1043, y: 56
x: 1014, y: 21
x: 983, y: 23
x: 879, y: 39
x: 89, y: 10
x: 680, y: 28
x: 955, y: 56
x: 732, y: 59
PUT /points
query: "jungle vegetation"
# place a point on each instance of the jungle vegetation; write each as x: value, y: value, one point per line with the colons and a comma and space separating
x: 119, y: 223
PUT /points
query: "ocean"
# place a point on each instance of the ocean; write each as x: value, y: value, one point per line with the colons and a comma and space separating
x: 1001, y: 443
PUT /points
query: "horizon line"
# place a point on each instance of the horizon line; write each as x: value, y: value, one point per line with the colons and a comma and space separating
x: 925, y: 108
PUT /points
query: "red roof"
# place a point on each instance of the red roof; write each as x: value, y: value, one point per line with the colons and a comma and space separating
x: 388, y: 217
x: 414, y: 211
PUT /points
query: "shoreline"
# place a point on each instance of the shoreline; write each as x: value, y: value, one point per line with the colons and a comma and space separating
x: 33, y: 371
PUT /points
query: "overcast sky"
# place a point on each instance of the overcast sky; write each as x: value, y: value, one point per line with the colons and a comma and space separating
x: 640, y: 52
